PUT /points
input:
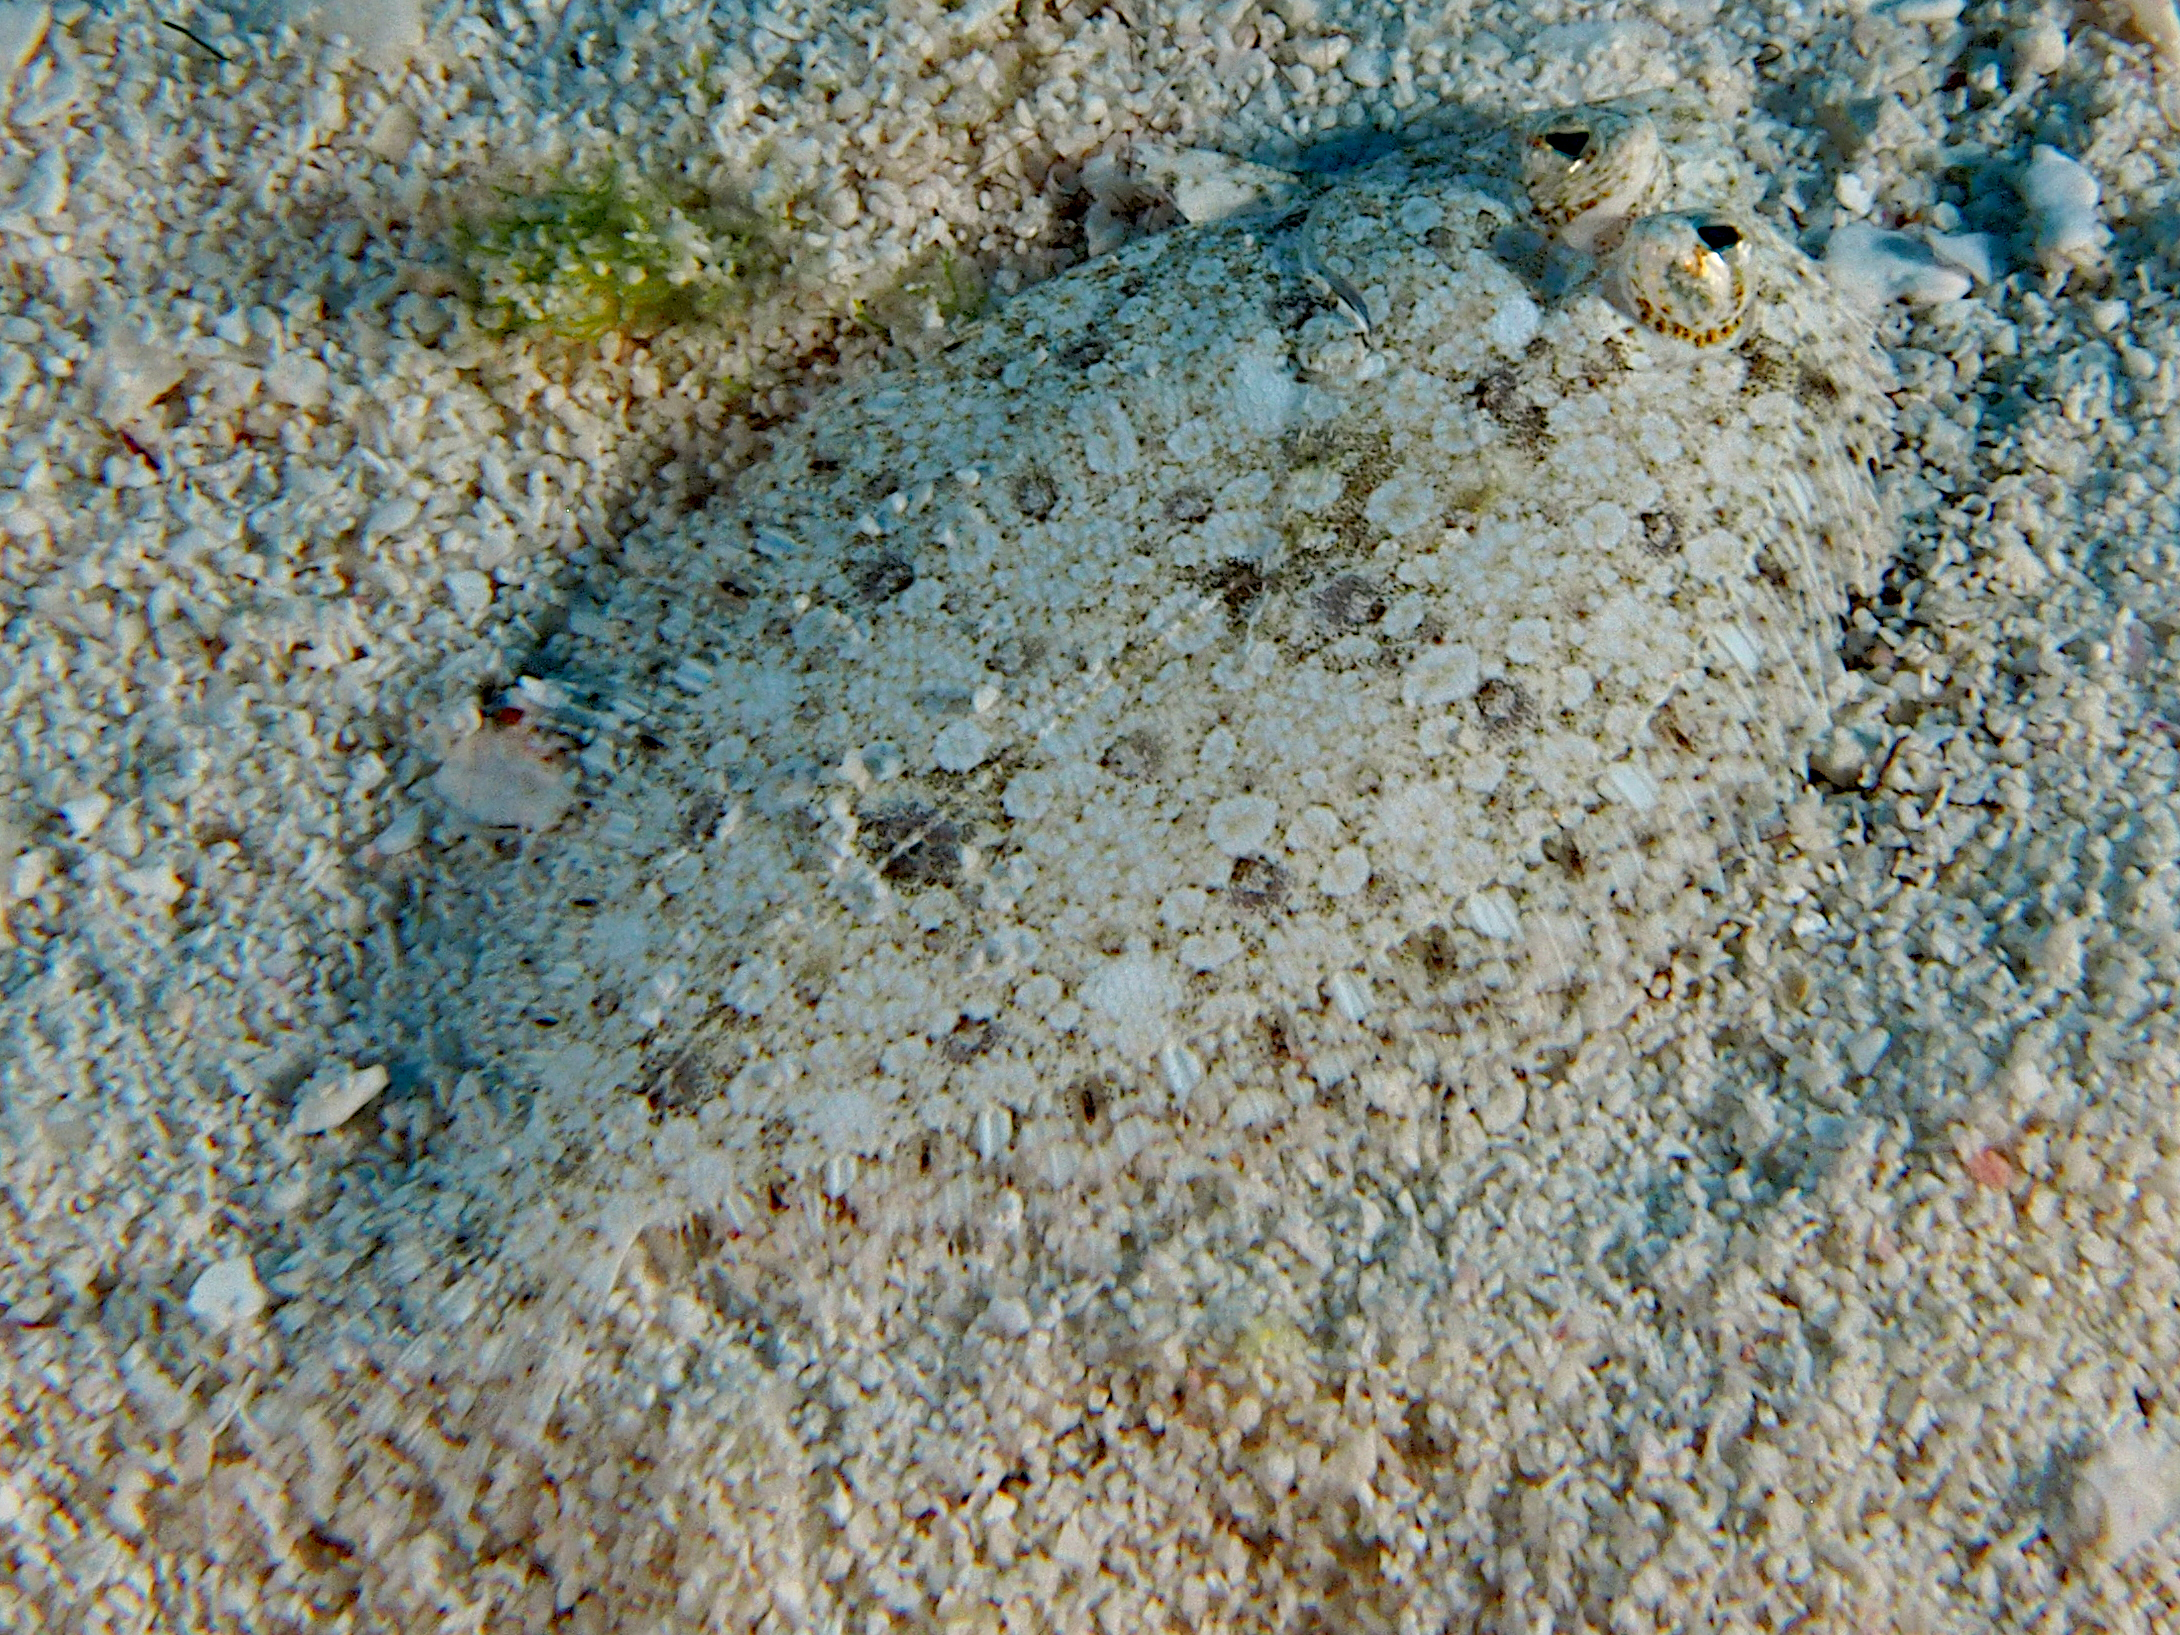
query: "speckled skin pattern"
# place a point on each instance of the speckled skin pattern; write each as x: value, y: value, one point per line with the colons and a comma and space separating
x: 1169, y: 661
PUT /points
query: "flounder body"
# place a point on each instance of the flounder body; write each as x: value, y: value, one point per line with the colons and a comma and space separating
x: 1185, y: 659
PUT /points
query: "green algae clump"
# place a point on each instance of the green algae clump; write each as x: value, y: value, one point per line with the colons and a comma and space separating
x: 587, y: 258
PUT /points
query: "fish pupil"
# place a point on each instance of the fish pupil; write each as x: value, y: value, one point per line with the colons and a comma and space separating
x: 1719, y: 235
x: 1569, y: 145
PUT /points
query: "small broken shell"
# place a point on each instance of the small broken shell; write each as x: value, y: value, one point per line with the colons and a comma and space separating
x: 1589, y: 169
x: 1684, y: 276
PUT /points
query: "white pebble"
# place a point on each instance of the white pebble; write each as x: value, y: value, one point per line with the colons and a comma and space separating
x: 2126, y: 1496
x: 1368, y: 67
x: 391, y: 517
x: 401, y: 835
x: 1504, y: 1108
x: 227, y: 1293
x: 2062, y: 194
x: 1631, y: 785
x: 469, y: 591
x: 156, y: 884
x: 1927, y: 11
x: 1853, y: 193
x: 991, y: 1130
x: 128, y: 374
x: 1867, y: 1047
x: 1492, y: 914
x: 1873, y: 267
x: 385, y: 33
x: 1973, y: 253
x: 504, y: 778
x: 2039, y: 49
x: 85, y: 813
x: 22, y: 31
x: 44, y: 192
x: 1349, y: 995
x: 1182, y: 1070
x: 331, y: 1099
x: 2157, y: 22
x: 301, y: 382
x: 55, y: 97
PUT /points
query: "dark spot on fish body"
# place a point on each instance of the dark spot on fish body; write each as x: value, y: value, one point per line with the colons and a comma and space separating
x: 1523, y: 251
x: 969, y: 1039
x: 912, y: 845
x: 1083, y: 352
x: 701, y: 818
x: 1504, y: 707
x: 1257, y: 885
x: 882, y: 578
x: 1564, y: 850
x: 1661, y: 533
x: 1091, y: 1097
x: 1018, y: 655
x: 1669, y: 727
x: 1497, y: 393
x: 1239, y: 585
x: 1763, y: 365
x: 1137, y: 756
x: 1186, y: 505
x: 1432, y: 950
x: 687, y: 1082
x: 1350, y: 600
x: 1035, y: 495
x: 1292, y: 308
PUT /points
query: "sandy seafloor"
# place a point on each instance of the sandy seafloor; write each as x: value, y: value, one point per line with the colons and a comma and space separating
x: 1837, y: 1292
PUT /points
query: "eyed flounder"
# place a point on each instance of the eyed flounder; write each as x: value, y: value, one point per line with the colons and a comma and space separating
x: 1371, y: 607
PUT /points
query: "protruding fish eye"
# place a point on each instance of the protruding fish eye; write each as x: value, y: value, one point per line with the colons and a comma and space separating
x: 1684, y: 276
x: 1588, y: 170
